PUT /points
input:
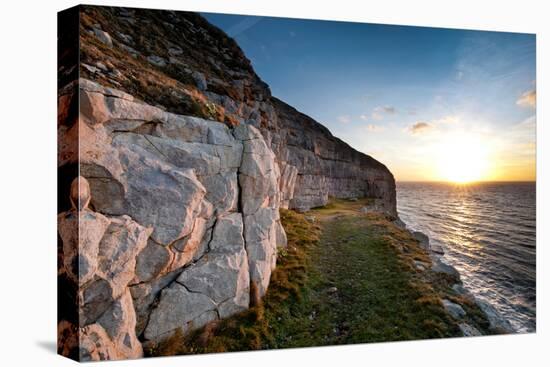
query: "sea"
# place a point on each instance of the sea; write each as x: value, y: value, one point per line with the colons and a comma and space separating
x: 488, y: 232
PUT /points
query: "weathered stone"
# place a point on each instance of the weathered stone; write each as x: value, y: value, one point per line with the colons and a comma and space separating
x: 191, y: 247
x: 119, y: 322
x: 95, y: 299
x: 228, y: 234
x: 156, y: 60
x: 103, y: 37
x: 422, y: 239
x: 222, y: 190
x: 496, y: 321
x: 145, y: 294
x: 81, y: 233
x: 200, y: 81
x: 455, y: 310
x: 123, y: 240
x: 159, y: 195
x: 152, y: 261
x: 179, y: 308
x: 261, y: 246
x: 222, y: 277
x: 258, y: 174
x: 439, y: 266
x: 468, y: 330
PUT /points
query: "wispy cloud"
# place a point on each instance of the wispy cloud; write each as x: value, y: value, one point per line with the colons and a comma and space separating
x: 344, y: 119
x: 528, y: 99
x: 379, y: 112
x: 374, y: 128
x: 419, y: 127
x: 450, y: 119
x: 243, y: 25
x: 388, y: 109
x: 364, y: 117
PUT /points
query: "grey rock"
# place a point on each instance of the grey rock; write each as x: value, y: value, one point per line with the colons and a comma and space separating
x: 179, y: 308
x: 496, y: 321
x: 200, y: 80
x: 439, y: 266
x: 261, y: 246
x: 175, y: 50
x: 96, y: 298
x: 455, y: 310
x: 145, y: 294
x: 422, y: 239
x: 469, y: 330
x: 223, y: 278
x: 123, y: 240
x: 175, y: 194
x: 119, y: 322
x: 157, y: 60
x: 103, y: 37
x: 398, y: 222
x: 152, y: 261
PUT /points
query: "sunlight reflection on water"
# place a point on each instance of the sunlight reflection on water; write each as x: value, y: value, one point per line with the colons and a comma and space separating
x: 488, y: 233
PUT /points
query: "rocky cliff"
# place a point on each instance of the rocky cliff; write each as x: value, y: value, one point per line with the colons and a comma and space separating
x: 184, y: 160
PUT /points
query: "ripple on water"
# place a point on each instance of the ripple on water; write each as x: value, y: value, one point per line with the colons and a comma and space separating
x: 489, y: 233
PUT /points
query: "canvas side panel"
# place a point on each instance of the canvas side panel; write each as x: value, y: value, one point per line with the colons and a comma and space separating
x: 67, y: 171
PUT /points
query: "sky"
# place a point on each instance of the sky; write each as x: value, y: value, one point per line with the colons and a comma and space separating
x: 432, y: 104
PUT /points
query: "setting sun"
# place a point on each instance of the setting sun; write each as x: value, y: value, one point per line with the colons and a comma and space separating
x: 463, y: 159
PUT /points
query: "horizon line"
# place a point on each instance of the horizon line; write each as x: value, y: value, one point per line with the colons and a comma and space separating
x: 465, y: 183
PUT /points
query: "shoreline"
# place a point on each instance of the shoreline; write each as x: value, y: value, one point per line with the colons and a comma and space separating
x: 437, y: 253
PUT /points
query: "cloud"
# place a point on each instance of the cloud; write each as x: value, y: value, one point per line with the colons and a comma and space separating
x: 374, y: 128
x: 344, y: 119
x: 242, y: 26
x: 450, y: 119
x: 528, y: 99
x: 419, y: 127
x: 379, y: 112
x: 387, y: 109
x: 364, y: 117
x: 377, y: 116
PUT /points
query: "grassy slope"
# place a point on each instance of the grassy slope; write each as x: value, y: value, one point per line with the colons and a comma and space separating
x: 348, y: 278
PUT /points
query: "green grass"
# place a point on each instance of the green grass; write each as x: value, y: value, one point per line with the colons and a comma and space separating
x: 346, y: 278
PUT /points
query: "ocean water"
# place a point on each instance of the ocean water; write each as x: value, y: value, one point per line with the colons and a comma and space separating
x: 488, y: 233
